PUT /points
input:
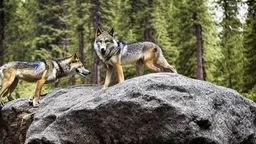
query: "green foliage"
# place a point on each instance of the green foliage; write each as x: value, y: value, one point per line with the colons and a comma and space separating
x: 161, y: 19
x: 232, y: 47
x: 250, y: 51
x: 188, y: 14
x: 252, y: 94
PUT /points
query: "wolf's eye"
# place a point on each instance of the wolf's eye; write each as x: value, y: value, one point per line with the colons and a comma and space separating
x: 107, y: 41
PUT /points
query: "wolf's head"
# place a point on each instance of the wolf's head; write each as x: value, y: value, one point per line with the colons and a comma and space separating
x: 104, y: 41
x: 77, y: 65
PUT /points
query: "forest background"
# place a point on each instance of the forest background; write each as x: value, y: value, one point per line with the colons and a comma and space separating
x: 205, y: 39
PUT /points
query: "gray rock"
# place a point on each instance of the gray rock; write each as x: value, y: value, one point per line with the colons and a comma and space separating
x: 15, y: 118
x: 155, y: 108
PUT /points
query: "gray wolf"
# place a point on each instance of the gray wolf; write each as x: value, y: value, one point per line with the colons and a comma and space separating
x: 41, y: 72
x: 115, y: 53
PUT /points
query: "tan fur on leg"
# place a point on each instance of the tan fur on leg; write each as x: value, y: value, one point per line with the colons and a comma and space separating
x: 11, y: 88
x: 108, y: 76
x: 39, y: 86
x: 119, y: 69
x: 7, y: 81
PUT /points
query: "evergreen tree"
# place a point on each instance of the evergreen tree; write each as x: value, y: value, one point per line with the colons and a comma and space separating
x: 232, y: 46
x: 51, y: 29
x: 250, y: 51
x: 96, y: 17
x: 20, y: 30
x: 189, y: 14
x: 163, y: 29
x: 212, y: 54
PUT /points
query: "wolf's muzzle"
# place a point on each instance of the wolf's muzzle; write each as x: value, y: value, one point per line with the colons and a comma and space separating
x: 103, y: 50
x: 82, y: 72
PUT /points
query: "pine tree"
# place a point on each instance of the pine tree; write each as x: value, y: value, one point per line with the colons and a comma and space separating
x: 188, y: 14
x: 163, y: 27
x: 20, y: 30
x: 51, y: 30
x: 250, y: 51
x: 232, y: 47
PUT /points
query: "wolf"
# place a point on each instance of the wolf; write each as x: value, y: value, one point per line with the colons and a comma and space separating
x: 115, y: 53
x: 41, y: 72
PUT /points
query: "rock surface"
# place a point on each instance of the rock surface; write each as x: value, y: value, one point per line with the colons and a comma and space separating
x: 15, y: 118
x: 155, y: 108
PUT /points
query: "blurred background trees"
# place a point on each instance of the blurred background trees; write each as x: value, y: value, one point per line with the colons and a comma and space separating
x: 224, y: 30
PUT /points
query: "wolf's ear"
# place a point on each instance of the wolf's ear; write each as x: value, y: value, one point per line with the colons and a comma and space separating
x: 74, y: 58
x: 98, y: 32
x: 111, y: 32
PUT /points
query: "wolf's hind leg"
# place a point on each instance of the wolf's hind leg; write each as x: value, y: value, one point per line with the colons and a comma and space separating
x: 166, y: 67
x: 149, y: 58
x: 139, y: 67
x: 7, y: 81
x: 11, y: 88
x: 150, y: 64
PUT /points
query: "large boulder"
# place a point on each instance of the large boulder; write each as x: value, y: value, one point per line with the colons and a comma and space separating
x: 155, y: 108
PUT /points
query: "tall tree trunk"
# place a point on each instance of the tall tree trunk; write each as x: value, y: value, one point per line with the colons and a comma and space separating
x: 1, y: 32
x: 96, y: 67
x: 81, y: 45
x: 99, y: 67
x: 199, y: 52
x: 148, y: 33
x: 95, y: 70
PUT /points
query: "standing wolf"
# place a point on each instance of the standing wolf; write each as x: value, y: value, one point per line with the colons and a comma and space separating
x: 41, y: 72
x: 116, y: 53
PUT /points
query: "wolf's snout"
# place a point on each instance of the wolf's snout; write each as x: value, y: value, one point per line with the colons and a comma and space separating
x: 82, y: 72
x: 102, y: 50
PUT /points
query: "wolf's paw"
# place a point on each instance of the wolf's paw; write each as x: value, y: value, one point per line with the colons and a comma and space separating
x: 104, y: 87
x: 35, y: 104
x: 30, y: 101
x: 1, y: 104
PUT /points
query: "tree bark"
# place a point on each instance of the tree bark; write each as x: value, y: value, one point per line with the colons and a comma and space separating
x: 96, y: 66
x: 81, y: 45
x: 199, y: 52
x: 148, y: 33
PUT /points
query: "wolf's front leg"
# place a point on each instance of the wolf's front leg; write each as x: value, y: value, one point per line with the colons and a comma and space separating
x: 108, y: 76
x: 120, y: 73
x: 39, y: 86
x: 119, y: 69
